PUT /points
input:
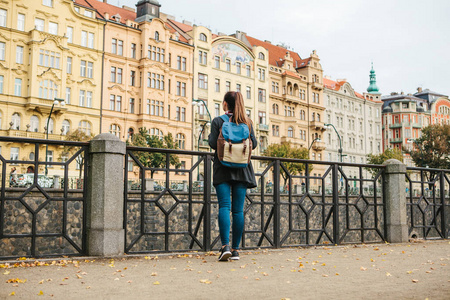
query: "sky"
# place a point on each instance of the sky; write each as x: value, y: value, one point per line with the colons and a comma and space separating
x: 408, y: 41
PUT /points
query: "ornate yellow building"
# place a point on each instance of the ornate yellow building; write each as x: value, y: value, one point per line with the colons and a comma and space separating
x: 48, y: 49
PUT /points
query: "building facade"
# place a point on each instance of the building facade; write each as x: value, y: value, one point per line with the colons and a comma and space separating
x: 49, y: 50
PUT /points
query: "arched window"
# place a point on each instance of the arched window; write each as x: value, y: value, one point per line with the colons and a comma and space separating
x: 48, y: 89
x: 114, y: 129
x: 50, y: 125
x: 157, y: 132
x: 157, y: 35
x: 85, y: 127
x: 318, y: 117
x: 15, y: 119
x: 34, y: 124
x: 65, y: 127
x: 130, y: 133
x: 313, y: 117
x: 290, y: 132
x: 261, y: 56
x: 203, y: 37
x: 181, y: 140
x: 275, y: 109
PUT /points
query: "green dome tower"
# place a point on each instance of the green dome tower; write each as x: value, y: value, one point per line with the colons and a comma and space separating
x: 372, y: 89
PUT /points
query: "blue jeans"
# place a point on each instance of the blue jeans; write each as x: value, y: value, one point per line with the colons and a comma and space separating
x: 236, y: 205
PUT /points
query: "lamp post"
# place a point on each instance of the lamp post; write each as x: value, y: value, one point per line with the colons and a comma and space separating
x: 314, y: 140
x: 206, y: 124
x: 339, y: 137
x: 197, y: 102
x: 56, y: 102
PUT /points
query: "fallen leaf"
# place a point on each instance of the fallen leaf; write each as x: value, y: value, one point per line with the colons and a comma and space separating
x: 6, y: 272
x: 363, y: 269
x: 415, y: 280
x: 130, y: 281
x: 388, y: 274
x: 324, y: 275
x: 115, y: 279
x: 79, y: 276
x: 337, y: 274
x: 156, y: 283
x: 88, y: 287
x: 206, y: 281
x: 154, y: 274
x: 41, y: 282
x: 12, y: 294
x: 41, y: 293
x: 16, y: 280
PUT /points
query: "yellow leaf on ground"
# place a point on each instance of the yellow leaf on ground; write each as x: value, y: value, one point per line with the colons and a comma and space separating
x: 156, y: 283
x: 154, y: 274
x: 6, y: 272
x: 205, y: 281
x: 388, y: 274
x: 12, y: 294
x: 41, y: 293
x: 41, y: 282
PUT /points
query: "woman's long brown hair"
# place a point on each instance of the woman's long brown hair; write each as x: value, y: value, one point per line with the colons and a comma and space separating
x: 235, y: 103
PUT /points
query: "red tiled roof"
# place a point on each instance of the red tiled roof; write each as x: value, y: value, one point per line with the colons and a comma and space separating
x: 173, y: 30
x: 359, y: 95
x: 112, y: 10
x: 275, y: 52
x: 182, y: 26
x: 336, y: 85
x: 290, y: 73
x: 303, y: 62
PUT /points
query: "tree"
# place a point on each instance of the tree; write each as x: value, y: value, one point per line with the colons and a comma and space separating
x: 379, y: 159
x: 154, y: 159
x: 77, y: 136
x: 285, y: 150
x: 432, y: 149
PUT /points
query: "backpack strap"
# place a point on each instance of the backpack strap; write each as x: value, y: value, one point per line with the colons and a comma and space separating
x: 225, y: 118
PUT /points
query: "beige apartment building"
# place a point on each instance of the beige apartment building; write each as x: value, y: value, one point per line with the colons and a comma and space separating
x: 147, y: 77
x: 49, y: 49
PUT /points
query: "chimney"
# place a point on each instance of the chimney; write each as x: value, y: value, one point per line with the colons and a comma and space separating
x: 266, y: 41
x: 187, y: 22
x: 419, y: 90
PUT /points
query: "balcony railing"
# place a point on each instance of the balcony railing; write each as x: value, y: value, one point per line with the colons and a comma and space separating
x: 263, y: 127
x: 395, y: 140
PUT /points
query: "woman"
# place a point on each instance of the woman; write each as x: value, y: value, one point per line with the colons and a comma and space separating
x: 232, y: 182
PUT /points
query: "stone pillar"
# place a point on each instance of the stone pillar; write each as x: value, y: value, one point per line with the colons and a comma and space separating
x: 105, y: 233
x: 395, y: 195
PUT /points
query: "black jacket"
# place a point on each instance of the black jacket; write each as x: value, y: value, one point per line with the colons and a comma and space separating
x: 225, y: 174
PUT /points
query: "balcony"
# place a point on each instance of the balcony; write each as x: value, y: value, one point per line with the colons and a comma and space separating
x: 318, y: 146
x: 263, y: 127
x: 293, y: 141
x: 416, y: 125
x: 31, y: 134
x: 395, y: 125
x: 203, y: 117
x: 316, y: 125
x: 396, y: 140
x: 317, y: 86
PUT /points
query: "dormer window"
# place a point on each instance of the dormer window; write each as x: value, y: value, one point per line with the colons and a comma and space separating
x: 261, y: 56
x: 117, y: 18
x: 203, y: 37
x: 157, y: 35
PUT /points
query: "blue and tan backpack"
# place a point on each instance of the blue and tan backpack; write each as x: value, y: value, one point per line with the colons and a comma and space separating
x: 234, y: 146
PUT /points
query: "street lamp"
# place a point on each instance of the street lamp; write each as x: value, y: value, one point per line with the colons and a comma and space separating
x: 314, y: 140
x: 206, y: 124
x: 339, y: 137
x: 56, y: 102
x: 196, y: 102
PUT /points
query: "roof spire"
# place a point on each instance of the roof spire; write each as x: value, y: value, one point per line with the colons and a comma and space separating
x: 372, y: 89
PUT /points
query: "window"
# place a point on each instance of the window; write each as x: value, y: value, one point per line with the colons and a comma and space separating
x: 180, y: 140
x: 275, y: 109
x: 49, y: 58
x: 120, y: 47
x: 15, y: 119
x: 86, y: 68
x: 1, y: 86
x: 119, y: 75
x: 238, y: 68
x: 216, y: 109
x: 290, y: 132
x: 202, y: 81
x: 114, y: 46
x: 50, y: 125
x: 18, y: 87
x: 228, y: 64
x: 38, y: 24
x: 2, y: 50
x: 217, y: 62
x: 34, y: 124
x: 19, y: 54
x: 14, y: 153
x: 132, y: 78
x: 275, y: 87
x: 53, y: 28
x: 21, y: 22
x: 69, y: 65
x: 90, y: 40
x: 202, y: 57
x: 238, y: 87
x: 3, y: 15
x: 217, y: 85
x: 249, y: 93
x: 261, y: 74
x: 68, y: 91
x: 47, y: 3
x: 85, y: 127
x: 113, y: 74
x: 84, y: 35
x: 131, y: 109
x: 133, y: 50
x: 157, y: 35
x: 69, y: 34
x: 112, y: 102
x: 89, y: 13
x: 156, y: 53
x: 289, y: 111
x: 262, y: 117
x: 157, y: 108
x: 202, y: 37
x: 90, y: 67
x: 48, y: 89
x: 65, y: 127
x: 155, y: 81
x: 275, y: 130
x: 156, y: 132
x: 261, y: 95
x: 81, y: 99
x: 248, y: 70
x: 227, y: 86
x: 261, y: 56
x: 114, y: 129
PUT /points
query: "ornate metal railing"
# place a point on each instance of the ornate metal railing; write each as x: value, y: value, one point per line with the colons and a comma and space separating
x: 327, y: 207
x: 41, y: 212
x: 428, y: 202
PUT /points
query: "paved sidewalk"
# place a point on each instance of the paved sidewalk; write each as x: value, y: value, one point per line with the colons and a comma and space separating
x: 417, y: 270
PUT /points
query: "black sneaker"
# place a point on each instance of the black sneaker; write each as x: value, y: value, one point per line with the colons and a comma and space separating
x: 234, y: 255
x: 225, y: 253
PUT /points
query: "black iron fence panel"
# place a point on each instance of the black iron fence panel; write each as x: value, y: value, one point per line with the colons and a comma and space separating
x: 325, y: 203
x: 41, y: 212
x: 428, y: 203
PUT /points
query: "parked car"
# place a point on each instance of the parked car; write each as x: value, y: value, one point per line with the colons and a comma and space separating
x: 26, y: 180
